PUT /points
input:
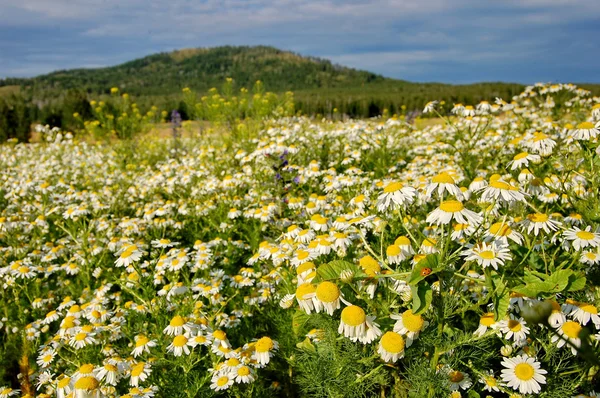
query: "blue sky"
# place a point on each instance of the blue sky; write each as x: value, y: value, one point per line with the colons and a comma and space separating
x: 454, y: 41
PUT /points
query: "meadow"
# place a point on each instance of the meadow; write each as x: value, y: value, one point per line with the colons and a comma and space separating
x: 269, y: 254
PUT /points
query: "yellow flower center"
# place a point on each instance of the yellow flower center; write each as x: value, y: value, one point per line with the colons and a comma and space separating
x: 500, y: 229
x: 180, y: 341
x: 393, y: 250
x: 110, y: 368
x: 521, y: 155
x: 456, y: 376
x: 88, y: 383
x: 414, y: 323
x: 500, y: 185
x: 451, y: 206
x: 490, y: 381
x: 585, y: 235
x: 327, y: 292
x: 138, y: 369
x: 219, y: 335
x: 223, y: 380
x: 80, y: 336
x: 243, y: 371
x: 353, y: 315
x: 514, y: 325
x: 402, y: 241
x: 585, y: 126
x: 264, y: 344
x: 393, y: 187
x: 305, y: 289
x: 487, y: 255
x: 305, y: 267
x: 588, y: 308
x: 64, y: 382
x: 524, y: 371
x: 571, y: 329
x: 443, y: 178
x: 177, y: 321
x: 369, y: 265
x: 537, y: 217
x: 392, y: 342
x: 302, y: 254
x: 233, y: 362
x: 487, y: 319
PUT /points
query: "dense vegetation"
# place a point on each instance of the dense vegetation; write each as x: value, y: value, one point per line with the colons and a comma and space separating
x: 283, y: 256
x: 320, y: 87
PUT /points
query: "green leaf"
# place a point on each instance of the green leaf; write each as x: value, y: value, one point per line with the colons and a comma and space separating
x: 431, y: 262
x: 333, y: 269
x: 307, y: 345
x: 501, y: 299
x: 473, y: 394
x: 299, y: 320
x: 560, y: 279
x: 422, y: 297
x: 533, y: 290
x: 576, y: 282
x: 530, y: 277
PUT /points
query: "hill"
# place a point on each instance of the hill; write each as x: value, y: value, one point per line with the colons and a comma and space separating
x: 201, y: 69
x: 318, y: 84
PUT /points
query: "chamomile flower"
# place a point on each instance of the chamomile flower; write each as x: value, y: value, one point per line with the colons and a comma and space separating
x: 391, y: 347
x: 453, y: 210
x: 522, y: 160
x: 582, y: 312
x: 108, y: 373
x: 409, y: 324
x: 179, y: 346
x: 327, y: 297
x: 441, y: 183
x: 221, y: 381
x: 306, y: 296
x: 263, y: 350
x: 177, y: 326
x: 568, y: 331
x: 580, y: 239
x: 243, y: 374
x: 139, y: 373
x: 501, y: 192
x: 459, y: 380
x: 485, y: 322
x: 586, y: 131
x: 128, y: 255
x: 353, y: 322
x: 6, y: 392
x: 515, y: 329
x: 537, y: 222
x: 501, y: 232
x: 142, y: 344
x: 395, y: 195
x: 488, y: 255
x: 524, y: 374
x: 87, y: 386
x: 490, y: 382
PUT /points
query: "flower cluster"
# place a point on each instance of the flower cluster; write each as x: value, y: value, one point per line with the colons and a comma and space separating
x: 469, y: 247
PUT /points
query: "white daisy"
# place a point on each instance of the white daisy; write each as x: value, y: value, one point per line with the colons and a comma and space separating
x: 523, y: 373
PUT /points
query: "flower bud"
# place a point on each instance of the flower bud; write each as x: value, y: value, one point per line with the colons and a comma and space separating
x: 506, y: 350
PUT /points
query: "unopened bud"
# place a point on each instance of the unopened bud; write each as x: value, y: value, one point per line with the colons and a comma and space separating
x: 506, y: 350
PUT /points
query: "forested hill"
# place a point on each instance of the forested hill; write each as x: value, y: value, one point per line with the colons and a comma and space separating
x: 201, y: 69
x: 319, y: 85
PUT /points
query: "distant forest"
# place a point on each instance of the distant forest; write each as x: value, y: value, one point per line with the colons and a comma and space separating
x: 319, y: 86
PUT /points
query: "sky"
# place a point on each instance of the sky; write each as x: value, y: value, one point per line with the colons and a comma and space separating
x: 451, y: 41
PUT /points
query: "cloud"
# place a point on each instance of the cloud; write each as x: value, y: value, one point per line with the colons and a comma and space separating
x: 409, y: 39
